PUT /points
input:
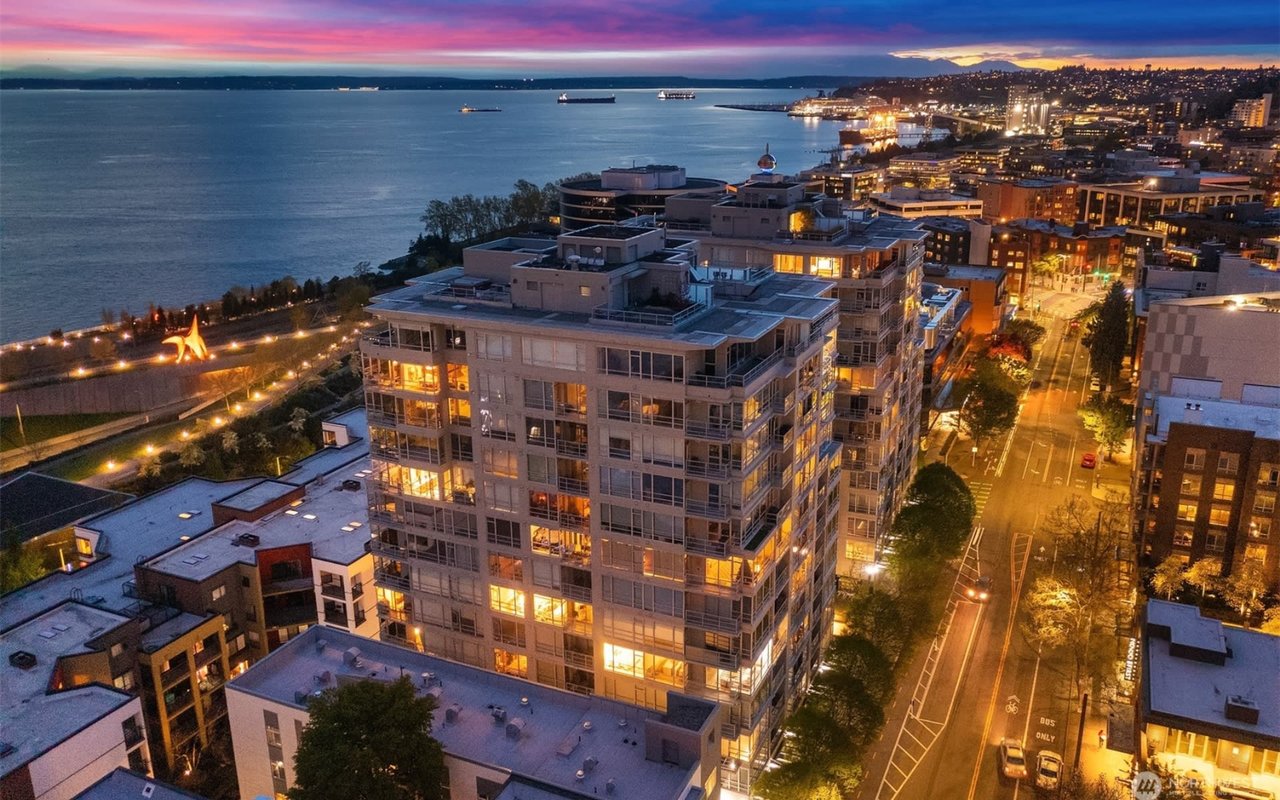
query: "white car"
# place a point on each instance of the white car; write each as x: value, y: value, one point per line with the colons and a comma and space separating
x: 1048, y: 770
x: 1013, y: 759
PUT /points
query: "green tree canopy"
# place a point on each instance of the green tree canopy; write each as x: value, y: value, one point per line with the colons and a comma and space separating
x: 1025, y: 331
x: 1168, y: 576
x: 988, y: 410
x: 1109, y: 419
x: 370, y: 740
x: 1108, y: 336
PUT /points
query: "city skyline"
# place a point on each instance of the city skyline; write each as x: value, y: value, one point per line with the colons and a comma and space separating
x: 584, y: 37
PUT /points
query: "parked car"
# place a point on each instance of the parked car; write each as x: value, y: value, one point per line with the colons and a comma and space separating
x: 1088, y: 461
x: 1235, y: 790
x: 979, y: 589
x: 1048, y: 770
x: 1095, y: 385
x: 1013, y: 759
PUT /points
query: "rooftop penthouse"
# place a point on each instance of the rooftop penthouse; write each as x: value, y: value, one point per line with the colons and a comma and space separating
x: 615, y: 277
x: 518, y: 739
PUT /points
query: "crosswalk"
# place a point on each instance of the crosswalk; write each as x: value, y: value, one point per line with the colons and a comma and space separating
x: 981, y: 491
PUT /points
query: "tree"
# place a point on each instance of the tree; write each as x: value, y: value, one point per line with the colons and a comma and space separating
x: 298, y: 420
x: 936, y: 516
x: 20, y: 563
x: 370, y: 740
x: 1244, y: 588
x: 108, y: 318
x: 149, y: 467
x: 988, y: 410
x: 1025, y: 331
x: 1108, y: 336
x: 102, y: 348
x: 1205, y: 574
x: 1110, y: 420
x: 1271, y: 621
x: 1075, y: 607
x: 230, y: 442
x: 191, y: 456
x: 1168, y: 576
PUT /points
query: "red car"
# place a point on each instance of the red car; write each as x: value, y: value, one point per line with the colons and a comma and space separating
x: 1088, y: 461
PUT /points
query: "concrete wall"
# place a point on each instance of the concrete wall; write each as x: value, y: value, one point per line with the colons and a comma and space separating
x: 134, y: 390
x: 84, y: 759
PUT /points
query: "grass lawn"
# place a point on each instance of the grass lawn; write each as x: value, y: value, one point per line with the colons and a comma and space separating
x: 39, y: 428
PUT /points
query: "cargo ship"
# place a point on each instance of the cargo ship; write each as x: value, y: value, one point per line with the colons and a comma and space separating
x: 675, y: 94
x: 471, y: 110
x: 565, y: 98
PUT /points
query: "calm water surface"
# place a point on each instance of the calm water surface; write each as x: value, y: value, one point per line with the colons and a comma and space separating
x: 117, y: 199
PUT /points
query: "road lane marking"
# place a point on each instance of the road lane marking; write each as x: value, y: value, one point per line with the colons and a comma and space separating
x: 1017, y: 573
x: 924, y: 683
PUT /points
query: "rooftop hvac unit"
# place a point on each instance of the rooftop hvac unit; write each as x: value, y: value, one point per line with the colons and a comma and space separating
x: 1242, y: 709
x: 321, y: 644
x: 434, y: 692
x: 352, y: 657
x: 452, y: 713
x: 515, y: 727
x: 499, y: 714
x: 610, y: 785
x: 590, y: 763
x: 249, y: 539
x: 351, y: 485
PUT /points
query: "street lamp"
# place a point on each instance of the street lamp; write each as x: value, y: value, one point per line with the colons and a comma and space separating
x: 974, y: 452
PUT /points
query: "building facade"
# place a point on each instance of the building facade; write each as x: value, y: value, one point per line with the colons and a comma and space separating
x: 1028, y: 198
x: 1026, y: 112
x: 1208, y: 433
x: 623, y: 193
x: 876, y: 265
x: 1137, y: 204
x: 618, y: 476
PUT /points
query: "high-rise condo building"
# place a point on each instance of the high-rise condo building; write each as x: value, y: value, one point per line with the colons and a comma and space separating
x: 605, y: 468
x: 771, y: 221
x: 1026, y: 112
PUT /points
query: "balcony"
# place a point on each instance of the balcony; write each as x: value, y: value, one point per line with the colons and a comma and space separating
x: 651, y: 315
x: 712, y: 622
x: 703, y: 429
x: 707, y: 547
x: 387, y: 612
x: 336, y: 616
x: 706, y: 509
x: 578, y: 659
x: 133, y: 733
x: 391, y: 579
x: 572, y: 486
x: 334, y: 590
x: 573, y: 449
x: 697, y: 468
x: 742, y: 374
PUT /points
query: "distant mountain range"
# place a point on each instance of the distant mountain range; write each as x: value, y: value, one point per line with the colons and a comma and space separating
x: 43, y: 78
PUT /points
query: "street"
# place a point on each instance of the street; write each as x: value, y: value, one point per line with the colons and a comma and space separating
x: 985, y: 682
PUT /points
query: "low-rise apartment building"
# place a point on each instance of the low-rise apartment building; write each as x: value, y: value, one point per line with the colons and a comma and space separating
x: 1208, y: 700
x: 68, y: 717
x: 923, y: 170
x: 914, y: 203
x: 1028, y: 198
x: 210, y: 575
x: 503, y: 738
x: 1138, y: 203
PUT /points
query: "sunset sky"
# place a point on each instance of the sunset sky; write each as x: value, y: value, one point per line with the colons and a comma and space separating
x: 594, y: 37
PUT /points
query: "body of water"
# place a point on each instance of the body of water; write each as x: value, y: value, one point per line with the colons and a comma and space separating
x: 117, y: 199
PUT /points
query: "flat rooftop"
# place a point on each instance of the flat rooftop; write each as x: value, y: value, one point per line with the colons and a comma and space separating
x: 149, y: 526
x: 333, y: 520
x: 970, y: 272
x: 132, y: 533
x: 1264, y: 421
x: 125, y: 784
x: 1196, y: 691
x: 778, y: 296
x: 34, y: 719
x: 551, y: 748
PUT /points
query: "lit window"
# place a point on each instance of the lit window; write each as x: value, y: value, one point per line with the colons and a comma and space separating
x: 584, y: 291
x: 506, y: 600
